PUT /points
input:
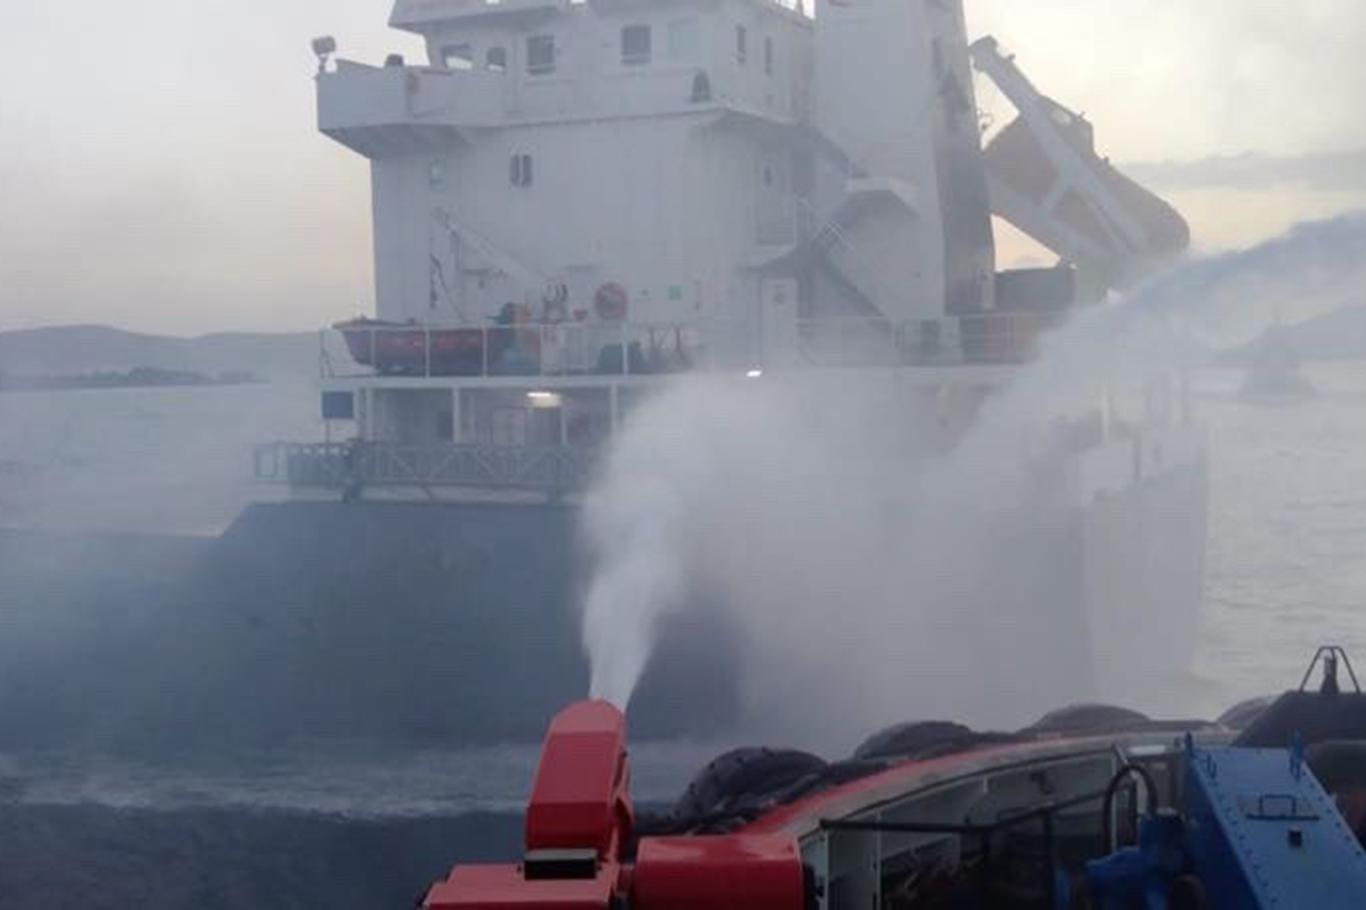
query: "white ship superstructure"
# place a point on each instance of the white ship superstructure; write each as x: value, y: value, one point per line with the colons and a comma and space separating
x: 684, y: 150
x: 572, y: 199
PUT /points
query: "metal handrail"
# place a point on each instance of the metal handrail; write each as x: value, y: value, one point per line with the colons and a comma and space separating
x: 1044, y: 814
x: 536, y: 349
x: 549, y: 350
x: 348, y: 465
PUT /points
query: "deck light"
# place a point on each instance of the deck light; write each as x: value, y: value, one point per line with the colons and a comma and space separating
x: 755, y: 374
x: 324, y: 46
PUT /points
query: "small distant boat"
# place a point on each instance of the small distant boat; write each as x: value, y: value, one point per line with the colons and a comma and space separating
x: 1276, y: 376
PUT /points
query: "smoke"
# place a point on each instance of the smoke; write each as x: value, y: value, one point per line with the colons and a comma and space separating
x: 1179, y: 317
x: 871, y: 573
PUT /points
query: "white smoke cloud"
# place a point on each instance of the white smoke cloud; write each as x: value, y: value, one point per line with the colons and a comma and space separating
x: 860, y: 568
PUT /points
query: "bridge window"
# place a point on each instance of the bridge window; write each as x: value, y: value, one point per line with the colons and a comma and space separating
x: 540, y: 54
x: 741, y: 44
x: 768, y: 56
x: 458, y: 57
x: 496, y: 60
x: 635, y: 45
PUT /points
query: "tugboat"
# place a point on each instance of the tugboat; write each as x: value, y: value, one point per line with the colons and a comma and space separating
x: 1091, y: 809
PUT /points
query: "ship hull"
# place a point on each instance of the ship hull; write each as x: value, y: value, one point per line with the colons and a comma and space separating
x: 460, y: 622
x: 1144, y: 583
x: 444, y: 623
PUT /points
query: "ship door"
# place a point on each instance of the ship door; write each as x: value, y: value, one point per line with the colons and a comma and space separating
x: 778, y: 321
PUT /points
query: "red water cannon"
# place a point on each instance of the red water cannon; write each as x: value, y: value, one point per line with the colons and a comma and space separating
x: 580, y: 825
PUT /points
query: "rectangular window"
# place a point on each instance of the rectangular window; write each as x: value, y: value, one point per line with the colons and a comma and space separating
x: 496, y: 60
x: 457, y: 57
x: 519, y: 170
x: 768, y: 56
x: 685, y: 41
x: 635, y: 45
x: 540, y: 54
x: 339, y: 406
x: 741, y: 44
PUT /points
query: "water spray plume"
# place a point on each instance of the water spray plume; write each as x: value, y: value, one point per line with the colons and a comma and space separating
x: 849, y: 558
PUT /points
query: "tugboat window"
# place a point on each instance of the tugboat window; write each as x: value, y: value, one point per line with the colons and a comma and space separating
x: 496, y: 60
x: 540, y: 54
x: 519, y: 171
x: 768, y: 56
x: 458, y: 57
x: 741, y: 43
x: 635, y: 45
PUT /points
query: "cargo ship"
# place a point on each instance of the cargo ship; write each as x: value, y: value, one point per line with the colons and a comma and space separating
x: 576, y: 204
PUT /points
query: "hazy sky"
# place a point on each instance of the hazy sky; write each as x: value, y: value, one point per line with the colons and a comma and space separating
x: 159, y: 167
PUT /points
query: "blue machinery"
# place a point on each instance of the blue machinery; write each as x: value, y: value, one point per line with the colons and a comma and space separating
x: 1258, y: 830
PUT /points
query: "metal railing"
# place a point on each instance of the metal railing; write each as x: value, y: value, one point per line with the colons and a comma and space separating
x: 352, y: 466
x: 987, y: 339
x: 536, y: 349
x: 654, y: 349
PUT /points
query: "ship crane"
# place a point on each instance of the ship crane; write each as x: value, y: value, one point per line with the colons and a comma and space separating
x: 1045, y: 177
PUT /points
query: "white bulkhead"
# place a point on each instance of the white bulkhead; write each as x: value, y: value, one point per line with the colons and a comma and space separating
x: 895, y: 97
x: 693, y: 152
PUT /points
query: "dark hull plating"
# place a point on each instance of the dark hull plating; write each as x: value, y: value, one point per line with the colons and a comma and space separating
x: 460, y: 623
x: 446, y: 623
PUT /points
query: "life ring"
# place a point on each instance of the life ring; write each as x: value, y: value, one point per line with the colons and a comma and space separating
x: 611, y: 302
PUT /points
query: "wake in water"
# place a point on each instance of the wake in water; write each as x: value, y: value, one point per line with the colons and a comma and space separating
x: 847, y: 558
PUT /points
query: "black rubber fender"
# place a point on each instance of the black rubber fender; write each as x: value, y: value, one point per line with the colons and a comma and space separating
x: 909, y: 739
x: 745, y: 777
x: 1245, y: 713
x: 1087, y: 717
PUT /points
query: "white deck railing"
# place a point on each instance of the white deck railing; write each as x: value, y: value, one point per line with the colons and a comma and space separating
x: 652, y: 349
x: 551, y: 470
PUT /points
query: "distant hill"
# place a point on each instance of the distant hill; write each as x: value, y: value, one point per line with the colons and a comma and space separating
x: 66, y: 350
x: 1339, y: 335
x: 1344, y: 170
